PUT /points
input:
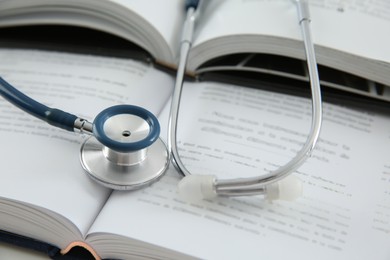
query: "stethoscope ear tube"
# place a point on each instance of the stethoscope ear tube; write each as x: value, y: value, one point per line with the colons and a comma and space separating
x: 278, y: 184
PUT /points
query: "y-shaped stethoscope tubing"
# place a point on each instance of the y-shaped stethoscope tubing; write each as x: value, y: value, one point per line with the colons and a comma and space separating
x: 252, y: 185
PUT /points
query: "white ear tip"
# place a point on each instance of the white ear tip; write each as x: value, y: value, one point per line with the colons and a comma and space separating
x: 289, y: 188
x: 197, y: 187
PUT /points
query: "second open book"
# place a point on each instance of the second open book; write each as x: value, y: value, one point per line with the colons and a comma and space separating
x: 225, y: 130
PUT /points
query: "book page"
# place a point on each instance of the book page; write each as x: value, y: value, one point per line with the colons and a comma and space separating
x: 360, y: 28
x: 166, y: 16
x: 40, y: 163
x: 231, y: 131
x: 153, y: 25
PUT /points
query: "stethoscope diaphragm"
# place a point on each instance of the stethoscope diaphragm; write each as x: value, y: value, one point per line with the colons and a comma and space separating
x: 125, y: 151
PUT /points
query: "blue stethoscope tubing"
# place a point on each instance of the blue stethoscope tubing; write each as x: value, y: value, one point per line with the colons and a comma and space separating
x: 52, y: 116
x: 277, y: 184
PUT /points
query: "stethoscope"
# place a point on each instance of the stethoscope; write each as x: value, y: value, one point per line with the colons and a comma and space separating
x: 124, y: 150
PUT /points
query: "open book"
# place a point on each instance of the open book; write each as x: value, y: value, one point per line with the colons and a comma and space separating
x: 47, y: 202
x: 257, y: 40
x: 46, y: 199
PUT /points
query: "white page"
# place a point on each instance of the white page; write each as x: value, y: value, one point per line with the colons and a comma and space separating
x: 343, y: 213
x: 357, y: 27
x: 40, y: 164
x: 166, y: 16
x: 153, y: 25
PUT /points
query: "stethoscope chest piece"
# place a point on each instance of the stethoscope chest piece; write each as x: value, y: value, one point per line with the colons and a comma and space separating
x: 125, y: 152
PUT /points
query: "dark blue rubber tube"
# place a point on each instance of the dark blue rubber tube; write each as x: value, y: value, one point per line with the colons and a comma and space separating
x: 192, y: 3
x: 52, y: 116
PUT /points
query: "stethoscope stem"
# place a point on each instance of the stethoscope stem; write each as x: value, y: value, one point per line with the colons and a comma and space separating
x: 83, y: 126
